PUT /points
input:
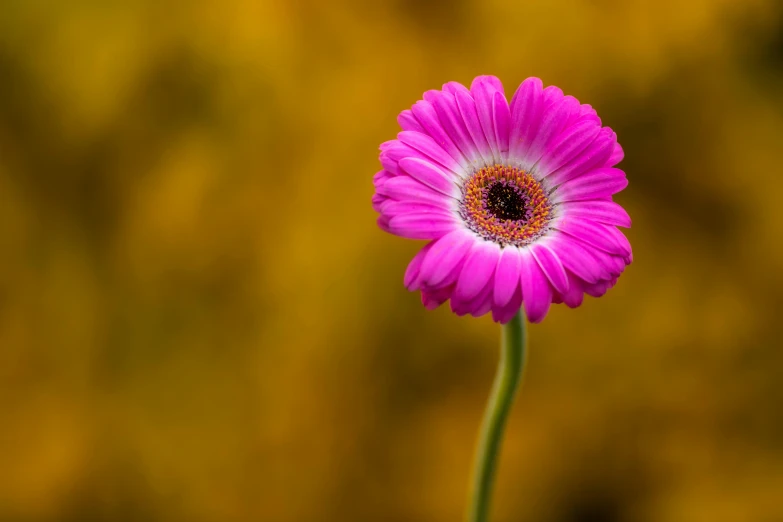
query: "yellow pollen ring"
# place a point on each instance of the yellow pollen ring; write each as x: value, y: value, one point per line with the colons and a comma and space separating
x: 480, y: 218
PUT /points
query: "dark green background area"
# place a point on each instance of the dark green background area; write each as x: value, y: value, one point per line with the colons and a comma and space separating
x: 201, y: 322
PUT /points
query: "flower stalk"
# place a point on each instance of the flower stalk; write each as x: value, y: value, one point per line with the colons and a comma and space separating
x: 513, y: 352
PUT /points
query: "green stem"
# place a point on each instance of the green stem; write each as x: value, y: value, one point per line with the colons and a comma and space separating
x: 507, y: 379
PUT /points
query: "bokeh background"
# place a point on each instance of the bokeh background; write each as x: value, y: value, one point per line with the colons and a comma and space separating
x: 200, y: 321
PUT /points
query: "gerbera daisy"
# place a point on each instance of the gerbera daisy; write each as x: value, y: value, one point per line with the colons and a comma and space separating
x: 515, y: 199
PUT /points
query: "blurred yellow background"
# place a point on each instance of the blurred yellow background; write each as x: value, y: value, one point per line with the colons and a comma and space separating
x: 200, y: 321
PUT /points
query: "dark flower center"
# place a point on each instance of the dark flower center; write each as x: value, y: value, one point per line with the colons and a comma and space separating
x: 507, y: 202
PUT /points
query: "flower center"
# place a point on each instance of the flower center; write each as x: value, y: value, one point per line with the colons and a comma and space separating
x: 507, y: 202
x: 505, y: 205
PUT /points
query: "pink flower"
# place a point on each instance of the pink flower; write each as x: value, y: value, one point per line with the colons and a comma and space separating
x: 515, y: 199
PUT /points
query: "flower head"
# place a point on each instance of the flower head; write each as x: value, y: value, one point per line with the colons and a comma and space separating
x: 515, y: 199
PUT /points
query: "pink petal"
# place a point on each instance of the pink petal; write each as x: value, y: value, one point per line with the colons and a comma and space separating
x: 381, y: 176
x: 552, y: 95
x: 433, y: 298
x: 554, y: 121
x: 478, y: 269
x: 414, y: 267
x: 597, y: 289
x: 391, y: 208
x: 507, y: 275
x: 612, y: 265
x: 393, y: 151
x: 575, y: 294
x: 586, y: 112
x: 504, y: 314
x: 598, y: 183
x: 483, y: 90
x: 476, y: 306
x: 430, y: 175
x: 568, y: 144
x: 421, y: 226
x: 405, y: 188
x: 460, y: 308
x: 594, y: 156
x: 592, y: 233
x: 446, y: 254
x: 446, y: 106
x: 501, y: 116
x: 377, y: 201
x: 536, y: 292
x: 430, y: 150
x: 455, y: 87
x: 616, y: 156
x: 621, y: 241
x: 575, y: 110
x: 483, y: 301
x: 428, y: 118
x: 607, y: 212
x: 467, y: 109
x: 487, y: 82
x: 383, y: 223
x: 576, y: 258
x: 551, y: 265
x: 408, y: 121
x: 526, y: 110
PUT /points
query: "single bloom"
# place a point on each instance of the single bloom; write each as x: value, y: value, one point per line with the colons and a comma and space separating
x: 514, y: 198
